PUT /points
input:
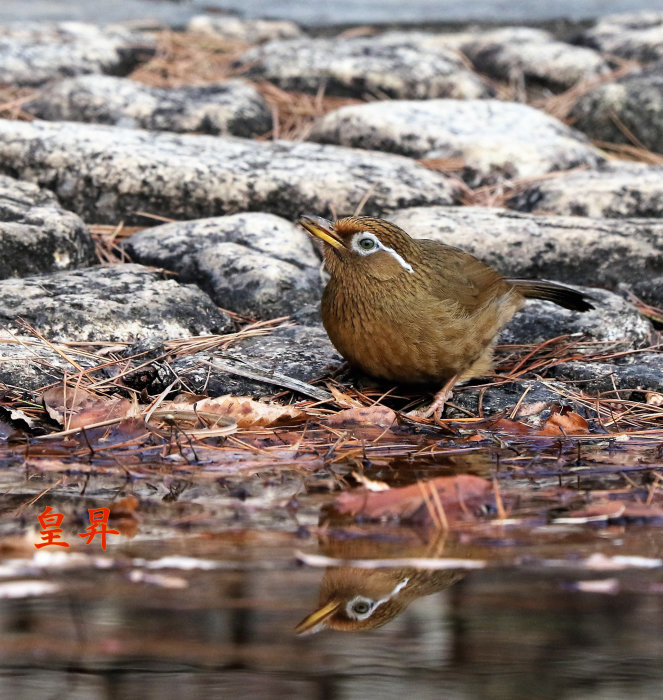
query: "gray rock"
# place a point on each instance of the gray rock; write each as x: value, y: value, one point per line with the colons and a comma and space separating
x: 613, y: 322
x: 115, y: 303
x: 527, y: 56
x: 233, y: 107
x: 36, y: 234
x: 255, y: 284
x: 493, y: 139
x: 363, y: 66
x: 616, y: 190
x: 107, y: 174
x: 255, y: 264
x: 572, y: 249
x: 634, y: 101
x: 502, y: 398
x: 248, y: 31
x: 27, y: 363
x: 634, y: 35
x: 34, y: 53
x: 641, y: 373
x: 301, y: 352
x: 648, y: 288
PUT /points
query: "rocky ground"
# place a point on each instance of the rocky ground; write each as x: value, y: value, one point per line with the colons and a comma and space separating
x: 179, y: 160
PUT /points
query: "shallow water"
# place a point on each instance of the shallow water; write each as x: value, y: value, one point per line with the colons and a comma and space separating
x: 209, y: 614
x: 223, y: 550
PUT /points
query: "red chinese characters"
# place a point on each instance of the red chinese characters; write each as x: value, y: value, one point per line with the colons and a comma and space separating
x: 51, y: 532
x: 99, y: 526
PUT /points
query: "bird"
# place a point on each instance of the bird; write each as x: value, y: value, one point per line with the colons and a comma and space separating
x: 354, y: 599
x: 417, y: 311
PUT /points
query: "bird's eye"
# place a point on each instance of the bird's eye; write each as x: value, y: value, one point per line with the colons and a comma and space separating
x: 361, y: 607
x: 366, y: 243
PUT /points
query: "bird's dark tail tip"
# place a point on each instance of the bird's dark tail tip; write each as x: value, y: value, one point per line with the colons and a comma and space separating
x: 560, y: 294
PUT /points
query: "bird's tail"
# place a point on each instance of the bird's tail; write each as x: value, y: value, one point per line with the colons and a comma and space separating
x: 560, y: 294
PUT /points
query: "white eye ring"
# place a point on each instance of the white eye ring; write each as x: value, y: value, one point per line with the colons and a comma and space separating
x: 359, y: 608
x: 364, y: 237
x: 365, y: 243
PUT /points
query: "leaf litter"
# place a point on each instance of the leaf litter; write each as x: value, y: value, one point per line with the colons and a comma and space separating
x: 198, y: 465
x: 98, y: 435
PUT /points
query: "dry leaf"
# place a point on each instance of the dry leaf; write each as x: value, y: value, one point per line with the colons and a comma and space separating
x: 512, y: 427
x: 62, y: 400
x: 565, y: 424
x: 374, y: 416
x: 75, y: 407
x: 447, y: 498
x: 249, y: 413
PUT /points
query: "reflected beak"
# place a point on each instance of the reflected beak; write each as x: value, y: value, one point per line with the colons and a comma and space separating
x: 322, y: 229
x: 315, y: 621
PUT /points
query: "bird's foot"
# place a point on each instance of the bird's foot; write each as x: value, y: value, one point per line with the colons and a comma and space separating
x: 437, y: 405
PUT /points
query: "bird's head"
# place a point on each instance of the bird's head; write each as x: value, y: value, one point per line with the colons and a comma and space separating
x: 364, y: 245
x: 357, y: 599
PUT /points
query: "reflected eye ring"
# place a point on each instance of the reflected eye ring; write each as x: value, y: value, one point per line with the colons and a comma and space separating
x: 361, y: 607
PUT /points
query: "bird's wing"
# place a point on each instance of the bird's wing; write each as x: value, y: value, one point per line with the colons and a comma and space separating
x: 455, y: 275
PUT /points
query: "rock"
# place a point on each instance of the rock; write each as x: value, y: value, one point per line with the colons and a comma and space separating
x: 649, y: 289
x: 613, y: 322
x: 255, y: 264
x: 639, y: 373
x: 248, y: 31
x: 572, y: 249
x: 634, y: 102
x: 36, y: 234
x: 107, y: 174
x: 633, y: 35
x: 27, y: 364
x: 233, y: 107
x: 34, y: 53
x: 493, y: 139
x: 363, y: 66
x: 301, y: 352
x: 527, y: 57
x: 502, y: 398
x: 116, y: 303
x: 615, y: 190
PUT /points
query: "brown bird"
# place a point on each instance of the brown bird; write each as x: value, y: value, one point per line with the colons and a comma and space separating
x: 354, y: 599
x: 417, y: 311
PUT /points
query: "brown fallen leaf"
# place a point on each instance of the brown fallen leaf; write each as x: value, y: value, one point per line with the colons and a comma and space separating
x: 511, y: 427
x: 75, y: 407
x: 438, y: 502
x: 565, y: 424
x: 249, y: 413
x: 374, y: 416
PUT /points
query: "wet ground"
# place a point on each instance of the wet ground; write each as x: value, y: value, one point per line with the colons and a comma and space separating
x: 199, y: 594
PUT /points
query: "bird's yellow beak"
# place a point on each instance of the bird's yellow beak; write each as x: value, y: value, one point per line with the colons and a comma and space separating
x: 322, y: 229
x: 315, y: 620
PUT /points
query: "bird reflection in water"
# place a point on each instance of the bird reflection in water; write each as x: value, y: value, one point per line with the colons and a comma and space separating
x: 354, y: 599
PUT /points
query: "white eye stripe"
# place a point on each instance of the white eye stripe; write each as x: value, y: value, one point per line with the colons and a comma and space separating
x: 363, y: 235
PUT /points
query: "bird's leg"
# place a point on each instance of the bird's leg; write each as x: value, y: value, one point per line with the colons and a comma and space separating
x: 442, y: 396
